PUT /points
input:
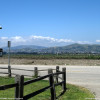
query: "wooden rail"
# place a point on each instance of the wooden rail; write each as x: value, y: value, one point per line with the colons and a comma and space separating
x: 35, y: 71
x: 19, y: 85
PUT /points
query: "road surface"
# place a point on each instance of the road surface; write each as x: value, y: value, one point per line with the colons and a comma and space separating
x: 86, y: 76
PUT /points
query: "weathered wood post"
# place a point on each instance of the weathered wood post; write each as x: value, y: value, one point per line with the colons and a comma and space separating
x: 9, y: 67
x: 51, y: 81
x: 9, y: 71
x: 57, y: 70
x: 17, y: 87
x: 19, y: 90
x: 64, y: 79
x: 35, y: 72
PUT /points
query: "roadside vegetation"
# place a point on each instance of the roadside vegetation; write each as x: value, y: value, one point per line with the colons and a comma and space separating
x: 54, y: 56
x: 73, y: 92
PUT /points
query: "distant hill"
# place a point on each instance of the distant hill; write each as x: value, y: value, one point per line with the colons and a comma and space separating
x: 74, y: 48
x: 24, y: 48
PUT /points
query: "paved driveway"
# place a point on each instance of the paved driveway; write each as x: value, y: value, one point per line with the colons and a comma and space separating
x: 86, y: 76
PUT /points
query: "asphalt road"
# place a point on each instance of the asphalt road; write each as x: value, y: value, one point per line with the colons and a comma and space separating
x: 86, y: 76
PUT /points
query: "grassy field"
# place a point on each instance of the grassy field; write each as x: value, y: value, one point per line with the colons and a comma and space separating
x: 55, y: 56
x: 53, y: 59
x: 73, y: 92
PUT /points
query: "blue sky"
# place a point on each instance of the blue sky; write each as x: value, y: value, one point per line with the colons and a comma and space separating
x: 50, y: 22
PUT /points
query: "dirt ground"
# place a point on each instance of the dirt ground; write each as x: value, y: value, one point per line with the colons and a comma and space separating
x: 81, y: 62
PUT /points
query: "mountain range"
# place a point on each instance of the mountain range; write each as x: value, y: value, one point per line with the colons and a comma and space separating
x: 73, y: 48
x: 24, y: 48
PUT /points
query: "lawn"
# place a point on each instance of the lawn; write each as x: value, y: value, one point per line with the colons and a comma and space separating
x: 73, y: 92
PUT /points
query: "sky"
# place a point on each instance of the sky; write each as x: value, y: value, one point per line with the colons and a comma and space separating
x: 49, y: 22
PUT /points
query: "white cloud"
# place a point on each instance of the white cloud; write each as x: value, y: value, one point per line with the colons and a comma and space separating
x: 18, y: 39
x: 97, y: 40
x: 38, y: 40
x: 43, y: 38
x: 66, y: 40
x: 4, y: 38
x: 51, y: 39
x: 83, y: 42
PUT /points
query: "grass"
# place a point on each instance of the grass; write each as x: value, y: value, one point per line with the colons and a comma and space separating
x: 73, y: 92
x: 54, y: 56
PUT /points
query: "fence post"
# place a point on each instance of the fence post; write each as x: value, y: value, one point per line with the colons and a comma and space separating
x: 19, y: 90
x: 57, y: 70
x: 64, y: 79
x: 9, y: 71
x: 35, y: 72
x: 51, y: 81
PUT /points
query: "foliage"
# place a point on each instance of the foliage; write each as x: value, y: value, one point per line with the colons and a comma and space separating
x: 54, y: 56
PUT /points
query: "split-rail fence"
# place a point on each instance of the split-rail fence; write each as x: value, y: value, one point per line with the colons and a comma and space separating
x: 19, y: 84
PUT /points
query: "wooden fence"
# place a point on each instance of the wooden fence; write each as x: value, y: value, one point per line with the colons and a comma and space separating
x: 19, y: 85
x: 35, y: 71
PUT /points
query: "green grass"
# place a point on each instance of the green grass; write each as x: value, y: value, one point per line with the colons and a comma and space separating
x: 55, y: 56
x: 73, y: 92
